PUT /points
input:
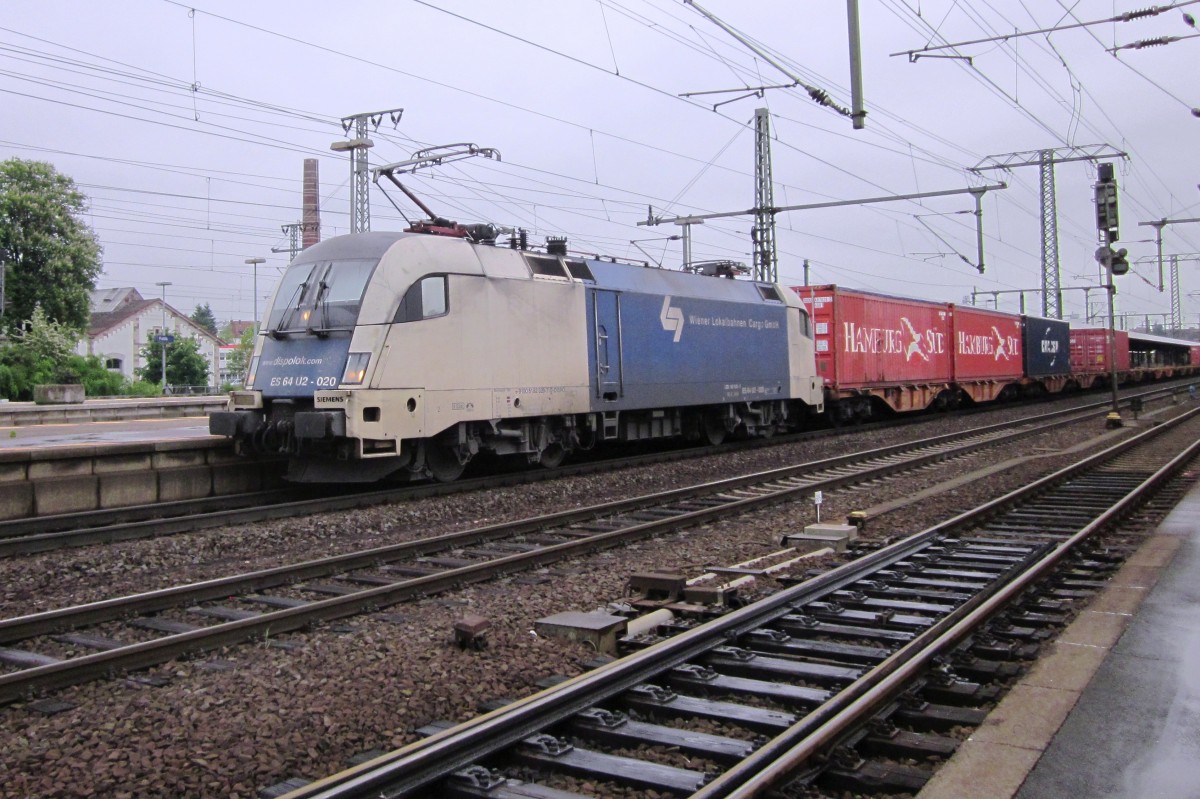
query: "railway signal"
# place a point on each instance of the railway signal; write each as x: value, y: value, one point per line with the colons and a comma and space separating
x: 1117, y: 259
x: 1107, y: 221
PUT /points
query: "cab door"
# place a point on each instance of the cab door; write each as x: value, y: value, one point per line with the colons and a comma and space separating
x: 606, y: 344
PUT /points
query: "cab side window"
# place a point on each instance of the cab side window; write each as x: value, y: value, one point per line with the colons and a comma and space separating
x: 427, y: 298
x: 805, y: 324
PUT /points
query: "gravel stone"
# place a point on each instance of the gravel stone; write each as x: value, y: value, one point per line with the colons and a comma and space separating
x: 265, y: 714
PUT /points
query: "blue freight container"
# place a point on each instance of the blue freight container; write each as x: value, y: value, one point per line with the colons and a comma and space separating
x: 1047, y: 344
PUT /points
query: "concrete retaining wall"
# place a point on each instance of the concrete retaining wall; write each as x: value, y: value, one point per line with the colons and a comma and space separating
x: 55, y: 480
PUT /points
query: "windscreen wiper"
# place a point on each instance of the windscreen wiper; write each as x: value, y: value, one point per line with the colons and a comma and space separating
x: 320, y: 306
x: 293, y: 304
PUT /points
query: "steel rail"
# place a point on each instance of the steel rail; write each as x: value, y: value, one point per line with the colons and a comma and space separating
x: 768, y: 766
x: 15, y: 685
x: 420, y: 764
x: 47, y: 533
x: 52, y: 621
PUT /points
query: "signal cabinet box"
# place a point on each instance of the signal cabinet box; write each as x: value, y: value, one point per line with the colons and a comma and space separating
x: 1089, y: 350
x: 1047, y: 347
x: 987, y: 344
x: 872, y: 340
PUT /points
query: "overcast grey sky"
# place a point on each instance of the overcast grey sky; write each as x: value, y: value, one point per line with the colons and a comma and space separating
x: 187, y: 124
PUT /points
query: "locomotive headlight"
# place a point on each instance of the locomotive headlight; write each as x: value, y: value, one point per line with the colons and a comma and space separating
x: 251, y: 372
x: 356, y: 368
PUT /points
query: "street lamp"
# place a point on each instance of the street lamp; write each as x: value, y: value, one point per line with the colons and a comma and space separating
x: 163, y: 339
x: 255, y: 262
x: 360, y: 186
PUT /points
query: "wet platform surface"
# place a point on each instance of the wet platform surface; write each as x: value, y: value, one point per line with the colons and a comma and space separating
x: 1135, y: 731
x: 1112, y: 707
x: 77, y: 434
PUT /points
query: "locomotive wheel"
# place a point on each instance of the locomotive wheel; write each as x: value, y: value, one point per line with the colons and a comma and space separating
x: 443, y: 462
x: 552, y: 456
x: 714, y: 430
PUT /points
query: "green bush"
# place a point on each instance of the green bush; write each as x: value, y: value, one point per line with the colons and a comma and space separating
x: 97, y: 381
x: 21, y: 372
x: 40, y: 354
x: 141, y: 388
x: 10, y: 382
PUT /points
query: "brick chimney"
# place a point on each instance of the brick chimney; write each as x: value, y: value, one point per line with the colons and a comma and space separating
x: 311, y: 215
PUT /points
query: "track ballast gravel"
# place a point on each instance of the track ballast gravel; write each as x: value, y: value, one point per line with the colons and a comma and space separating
x: 233, y: 722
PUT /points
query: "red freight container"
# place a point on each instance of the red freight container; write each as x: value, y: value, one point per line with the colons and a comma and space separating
x: 1194, y: 355
x: 987, y: 345
x: 866, y: 340
x: 1089, y: 350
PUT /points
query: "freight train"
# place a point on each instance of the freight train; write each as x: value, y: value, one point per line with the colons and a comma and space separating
x: 409, y: 354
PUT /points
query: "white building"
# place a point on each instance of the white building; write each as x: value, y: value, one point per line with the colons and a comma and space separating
x: 228, y: 375
x: 122, y: 321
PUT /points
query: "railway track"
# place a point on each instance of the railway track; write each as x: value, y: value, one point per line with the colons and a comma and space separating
x: 48, y: 533
x: 78, y: 644
x: 792, y: 689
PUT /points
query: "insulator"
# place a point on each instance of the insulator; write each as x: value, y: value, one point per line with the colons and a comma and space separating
x: 1142, y: 12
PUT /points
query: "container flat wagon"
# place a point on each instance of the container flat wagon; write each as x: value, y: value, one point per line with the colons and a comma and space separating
x: 1091, y: 362
x: 1047, y: 355
x: 988, y: 353
x: 872, y: 349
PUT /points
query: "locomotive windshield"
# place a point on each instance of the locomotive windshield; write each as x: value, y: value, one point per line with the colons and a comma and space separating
x: 320, y: 298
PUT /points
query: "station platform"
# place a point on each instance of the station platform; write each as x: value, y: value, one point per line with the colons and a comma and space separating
x: 1112, y: 709
x: 21, y: 414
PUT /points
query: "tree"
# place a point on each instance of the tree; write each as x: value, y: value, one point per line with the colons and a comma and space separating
x: 239, y: 360
x: 203, y: 316
x: 42, y: 337
x: 185, y: 365
x: 51, y: 256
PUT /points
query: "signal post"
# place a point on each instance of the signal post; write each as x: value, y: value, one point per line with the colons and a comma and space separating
x: 1115, y: 263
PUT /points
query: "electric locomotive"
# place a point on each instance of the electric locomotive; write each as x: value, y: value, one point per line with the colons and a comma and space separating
x: 411, y: 353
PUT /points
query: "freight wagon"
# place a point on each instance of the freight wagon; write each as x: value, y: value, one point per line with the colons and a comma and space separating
x: 1047, y: 355
x: 876, y: 350
x: 1091, y: 360
x: 988, y: 353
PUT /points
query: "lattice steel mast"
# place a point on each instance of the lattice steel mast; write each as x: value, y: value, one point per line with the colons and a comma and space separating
x: 766, y: 259
x: 1051, y: 272
x: 1045, y: 160
x: 1176, y: 291
x: 360, y: 189
x: 292, y: 231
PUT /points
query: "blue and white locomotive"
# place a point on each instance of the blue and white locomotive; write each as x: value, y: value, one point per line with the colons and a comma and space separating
x: 413, y: 352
